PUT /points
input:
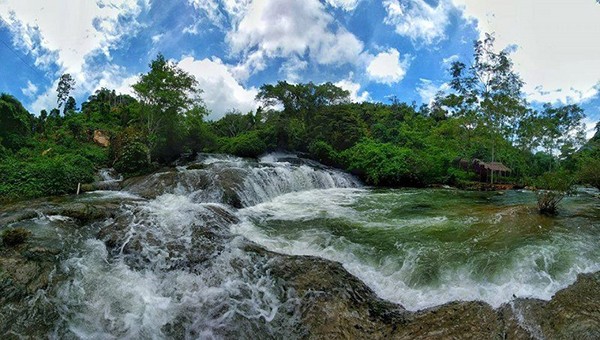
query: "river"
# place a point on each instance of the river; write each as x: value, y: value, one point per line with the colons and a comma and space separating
x: 174, y: 253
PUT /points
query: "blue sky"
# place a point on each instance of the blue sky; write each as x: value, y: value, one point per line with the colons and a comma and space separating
x: 374, y: 49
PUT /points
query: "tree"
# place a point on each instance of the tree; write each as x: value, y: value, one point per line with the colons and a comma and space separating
x: 562, y: 129
x: 488, y: 93
x: 65, y: 86
x: 15, y: 122
x: 302, y: 100
x: 70, y: 106
x: 166, y: 93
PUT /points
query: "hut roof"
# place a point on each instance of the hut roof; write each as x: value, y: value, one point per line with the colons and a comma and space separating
x: 496, y: 166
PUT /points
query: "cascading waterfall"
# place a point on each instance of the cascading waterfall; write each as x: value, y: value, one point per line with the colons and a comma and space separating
x: 172, y: 268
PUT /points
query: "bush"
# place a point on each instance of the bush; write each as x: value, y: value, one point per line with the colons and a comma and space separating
x: 589, y: 173
x: 248, y: 144
x: 556, y: 185
x: 43, y: 176
x: 324, y: 153
x: 383, y: 164
x: 134, y: 159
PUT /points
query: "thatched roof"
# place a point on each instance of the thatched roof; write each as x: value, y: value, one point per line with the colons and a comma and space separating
x: 495, y: 166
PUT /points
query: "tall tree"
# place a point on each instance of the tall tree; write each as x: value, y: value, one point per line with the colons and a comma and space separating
x: 66, y: 84
x: 166, y: 93
x: 489, y: 93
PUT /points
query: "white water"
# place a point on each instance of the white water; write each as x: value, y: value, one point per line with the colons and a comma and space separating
x: 180, y: 269
x: 156, y: 293
x: 291, y: 224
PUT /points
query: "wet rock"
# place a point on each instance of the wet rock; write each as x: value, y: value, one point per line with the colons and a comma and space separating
x: 573, y: 313
x: 335, y: 304
x: 83, y: 211
x: 15, y: 236
x: 25, y: 274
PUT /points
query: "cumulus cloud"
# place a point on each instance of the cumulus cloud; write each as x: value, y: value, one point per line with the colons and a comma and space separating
x: 222, y: 92
x: 347, y: 5
x: 70, y: 31
x: 30, y: 90
x: 449, y: 60
x: 288, y: 28
x: 354, y: 89
x: 387, y: 67
x: 418, y: 20
x: 427, y: 89
x: 557, y: 53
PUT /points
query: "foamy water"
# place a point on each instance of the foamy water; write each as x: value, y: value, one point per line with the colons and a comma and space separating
x: 433, y: 255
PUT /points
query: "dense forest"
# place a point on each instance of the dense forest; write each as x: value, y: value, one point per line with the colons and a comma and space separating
x: 485, y: 116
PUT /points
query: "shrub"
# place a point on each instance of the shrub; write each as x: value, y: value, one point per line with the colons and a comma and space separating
x: 134, y: 159
x: 383, y: 164
x: 247, y: 144
x: 555, y: 186
x: 324, y: 153
x: 589, y: 173
x: 43, y: 176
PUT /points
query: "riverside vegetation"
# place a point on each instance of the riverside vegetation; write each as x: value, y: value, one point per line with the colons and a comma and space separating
x: 485, y: 116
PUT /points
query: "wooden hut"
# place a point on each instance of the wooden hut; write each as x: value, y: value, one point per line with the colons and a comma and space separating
x: 483, y: 169
x: 486, y: 170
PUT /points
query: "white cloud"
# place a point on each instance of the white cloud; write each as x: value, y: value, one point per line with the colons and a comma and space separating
x: 449, y: 60
x: 427, y: 89
x: 30, y: 90
x: 221, y: 91
x: 291, y: 69
x: 346, y: 5
x: 590, y: 127
x: 288, y: 28
x: 157, y: 37
x: 387, y: 68
x: 354, y: 88
x: 418, y: 20
x: 69, y: 30
x: 557, y: 54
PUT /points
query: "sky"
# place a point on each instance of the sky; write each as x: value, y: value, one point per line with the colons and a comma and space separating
x: 373, y: 49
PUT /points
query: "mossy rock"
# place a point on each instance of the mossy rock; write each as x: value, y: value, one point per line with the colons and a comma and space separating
x: 15, y: 236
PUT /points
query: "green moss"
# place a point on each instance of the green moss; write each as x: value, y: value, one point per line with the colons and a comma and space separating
x: 15, y: 236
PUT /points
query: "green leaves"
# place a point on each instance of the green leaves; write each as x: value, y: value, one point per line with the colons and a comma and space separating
x: 166, y: 93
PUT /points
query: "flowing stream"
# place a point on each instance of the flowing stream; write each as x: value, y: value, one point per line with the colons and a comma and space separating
x: 172, y: 261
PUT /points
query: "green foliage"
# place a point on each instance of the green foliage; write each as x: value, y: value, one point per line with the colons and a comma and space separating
x: 383, y: 164
x: 134, y: 159
x: 166, y: 93
x: 589, y: 172
x: 555, y: 186
x: 43, y: 176
x: 249, y: 144
x: 15, y: 122
x: 129, y: 154
x: 324, y: 153
x: 15, y: 236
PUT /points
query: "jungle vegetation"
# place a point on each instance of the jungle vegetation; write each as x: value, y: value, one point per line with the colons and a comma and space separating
x: 484, y: 116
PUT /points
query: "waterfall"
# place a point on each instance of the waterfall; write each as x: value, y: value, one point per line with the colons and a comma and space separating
x: 169, y: 266
x: 241, y: 182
